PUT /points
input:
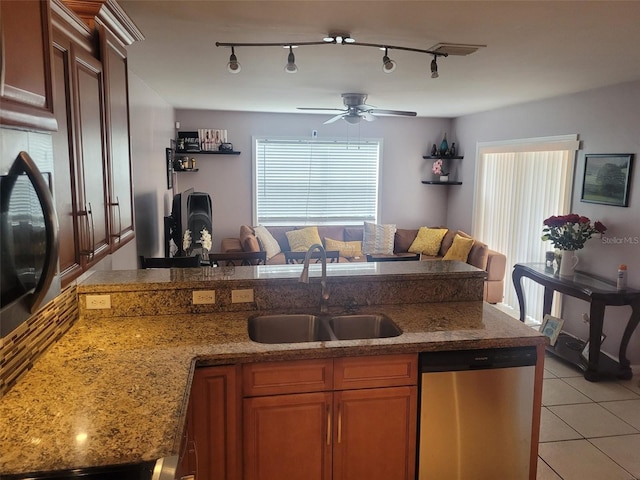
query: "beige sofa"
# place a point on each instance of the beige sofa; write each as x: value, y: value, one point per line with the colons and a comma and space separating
x: 480, y: 256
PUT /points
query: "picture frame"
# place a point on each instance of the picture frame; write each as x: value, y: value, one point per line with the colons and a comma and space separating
x: 169, y: 166
x: 607, y: 178
x: 551, y: 327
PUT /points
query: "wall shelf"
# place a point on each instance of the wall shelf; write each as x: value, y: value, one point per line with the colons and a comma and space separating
x: 205, y: 152
x: 187, y: 170
x: 438, y: 182
x: 443, y: 157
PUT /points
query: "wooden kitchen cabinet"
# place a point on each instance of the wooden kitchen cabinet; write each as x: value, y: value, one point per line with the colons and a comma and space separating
x: 26, y: 91
x: 361, y: 424
x: 120, y: 186
x: 213, y: 443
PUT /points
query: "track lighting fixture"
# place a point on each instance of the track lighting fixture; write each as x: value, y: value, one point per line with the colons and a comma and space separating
x: 434, y: 67
x: 291, y: 66
x: 388, y: 65
x: 233, y: 66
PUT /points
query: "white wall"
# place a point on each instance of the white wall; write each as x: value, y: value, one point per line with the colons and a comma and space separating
x: 607, y: 120
x: 152, y: 126
x: 405, y: 201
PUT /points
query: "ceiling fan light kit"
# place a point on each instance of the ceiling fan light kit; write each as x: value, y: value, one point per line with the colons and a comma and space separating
x: 388, y: 65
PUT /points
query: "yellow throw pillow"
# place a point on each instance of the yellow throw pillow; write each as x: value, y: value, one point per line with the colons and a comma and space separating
x: 428, y: 241
x: 301, y: 240
x: 346, y: 249
x: 460, y: 249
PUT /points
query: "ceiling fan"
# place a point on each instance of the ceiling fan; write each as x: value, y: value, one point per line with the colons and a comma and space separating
x: 356, y: 109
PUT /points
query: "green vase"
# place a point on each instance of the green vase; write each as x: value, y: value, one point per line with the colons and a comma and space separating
x: 444, y: 145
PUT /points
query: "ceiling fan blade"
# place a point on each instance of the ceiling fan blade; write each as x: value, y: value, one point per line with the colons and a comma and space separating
x: 323, y: 109
x: 334, y: 119
x: 377, y: 111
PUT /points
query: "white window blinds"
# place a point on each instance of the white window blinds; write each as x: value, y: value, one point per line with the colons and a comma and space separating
x: 298, y: 182
x: 518, y: 185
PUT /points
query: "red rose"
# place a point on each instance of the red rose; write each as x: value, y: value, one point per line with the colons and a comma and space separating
x: 600, y: 228
x: 583, y: 220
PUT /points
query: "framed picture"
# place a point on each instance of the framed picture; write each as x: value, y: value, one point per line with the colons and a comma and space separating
x: 606, y: 178
x: 551, y: 327
x: 169, y: 162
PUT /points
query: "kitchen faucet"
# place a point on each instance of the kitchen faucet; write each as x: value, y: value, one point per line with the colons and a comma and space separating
x: 304, y: 276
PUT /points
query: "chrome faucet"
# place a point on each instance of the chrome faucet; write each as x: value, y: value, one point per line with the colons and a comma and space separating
x: 304, y: 276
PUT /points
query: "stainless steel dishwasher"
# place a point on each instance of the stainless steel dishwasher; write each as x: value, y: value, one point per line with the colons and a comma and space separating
x: 476, y: 410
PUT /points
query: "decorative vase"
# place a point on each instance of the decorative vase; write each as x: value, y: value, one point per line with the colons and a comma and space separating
x: 444, y: 145
x: 568, y: 263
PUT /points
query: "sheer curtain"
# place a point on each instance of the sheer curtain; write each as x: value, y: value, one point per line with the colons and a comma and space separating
x: 518, y: 185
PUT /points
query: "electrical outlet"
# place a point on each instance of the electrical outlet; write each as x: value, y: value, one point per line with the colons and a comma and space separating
x: 204, y: 297
x: 244, y: 295
x: 98, y: 302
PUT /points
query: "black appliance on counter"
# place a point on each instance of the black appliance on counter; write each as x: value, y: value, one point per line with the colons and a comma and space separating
x: 189, y: 210
x: 28, y: 243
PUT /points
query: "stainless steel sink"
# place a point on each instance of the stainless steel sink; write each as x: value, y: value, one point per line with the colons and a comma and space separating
x: 288, y: 328
x: 294, y: 328
x: 360, y: 326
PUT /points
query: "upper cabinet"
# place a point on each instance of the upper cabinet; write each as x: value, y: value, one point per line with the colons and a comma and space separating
x: 93, y: 187
x: 26, y: 89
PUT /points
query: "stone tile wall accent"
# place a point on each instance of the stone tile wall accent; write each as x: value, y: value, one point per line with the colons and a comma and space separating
x: 22, y: 347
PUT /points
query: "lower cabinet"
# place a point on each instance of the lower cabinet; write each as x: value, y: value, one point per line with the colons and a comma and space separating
x: 367, y: 430
x: 340, y: 419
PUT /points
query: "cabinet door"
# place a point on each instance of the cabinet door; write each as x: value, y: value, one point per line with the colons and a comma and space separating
x: 65, y: 180
x: 25, y: 76
x: 215, y: 399
x: 288, y: 437
x: 375, y: 434
x: 120, y: 191
x: 89, y: 123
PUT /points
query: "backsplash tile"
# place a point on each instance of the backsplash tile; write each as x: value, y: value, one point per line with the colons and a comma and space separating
x: 22, y: 347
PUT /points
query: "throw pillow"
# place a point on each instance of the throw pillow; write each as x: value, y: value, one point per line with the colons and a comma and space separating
x: 301, y: 240
x: 270, y: 244
x: 428, y: 241
x: 460, y: 249
x: 346, y: 249
x: 378, y: 239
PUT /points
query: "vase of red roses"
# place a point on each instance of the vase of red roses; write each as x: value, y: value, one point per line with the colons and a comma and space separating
x: 569, y: 233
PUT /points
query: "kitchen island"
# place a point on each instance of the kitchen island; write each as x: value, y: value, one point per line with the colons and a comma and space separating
x: 115, y: 388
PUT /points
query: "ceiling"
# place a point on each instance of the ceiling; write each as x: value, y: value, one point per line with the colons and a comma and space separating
x: 534, y: 50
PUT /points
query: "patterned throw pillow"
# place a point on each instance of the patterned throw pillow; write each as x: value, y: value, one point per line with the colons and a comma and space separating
x: 347, y: 249
x: 301, y: 240
x: 428, y: 241
x: 460, y: 249
x: 378, y: 239
x: 270, y: 244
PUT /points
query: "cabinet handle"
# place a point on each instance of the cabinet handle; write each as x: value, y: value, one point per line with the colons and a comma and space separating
x: 328, y: 424
x: 339, y: 423
x: 117, y: 204
x: 86, y: 232
x: 93, y: 233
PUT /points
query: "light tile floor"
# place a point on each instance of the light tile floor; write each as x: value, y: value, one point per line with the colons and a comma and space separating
x: 588, y: 431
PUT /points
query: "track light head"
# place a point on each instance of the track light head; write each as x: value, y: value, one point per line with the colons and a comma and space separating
x: 291, y: 66
x: 434, y: 67
x: 388, y: 65
x: 233, y: 66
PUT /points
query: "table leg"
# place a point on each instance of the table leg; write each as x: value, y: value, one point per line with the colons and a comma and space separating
x: 625, y: 366
x: 516, y: 276
x: 548, y: 300
x: 596, y: 315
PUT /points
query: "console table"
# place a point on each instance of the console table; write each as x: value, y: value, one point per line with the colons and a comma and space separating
x: 600, y: 293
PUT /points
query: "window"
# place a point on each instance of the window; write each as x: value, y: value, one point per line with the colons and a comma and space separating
x: 518, y: 185
x: 311, y: 182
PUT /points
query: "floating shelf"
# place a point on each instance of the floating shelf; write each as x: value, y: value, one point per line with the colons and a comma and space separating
x: 206, y: 152
x: 443, y: 157
x: 437, y: 182
x: 187, y: 170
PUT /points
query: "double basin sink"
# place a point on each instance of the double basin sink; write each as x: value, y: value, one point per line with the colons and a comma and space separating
x: 294, y: 328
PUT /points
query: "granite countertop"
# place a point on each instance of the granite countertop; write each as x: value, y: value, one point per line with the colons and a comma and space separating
x: 114, y: 390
